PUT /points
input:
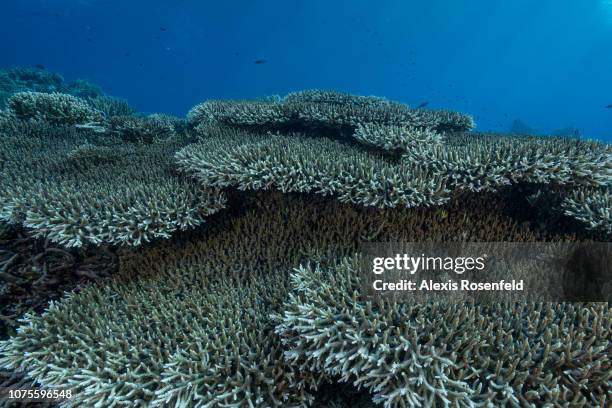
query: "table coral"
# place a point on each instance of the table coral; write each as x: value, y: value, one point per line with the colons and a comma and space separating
x: 81, y: 188
x: 447, y: 354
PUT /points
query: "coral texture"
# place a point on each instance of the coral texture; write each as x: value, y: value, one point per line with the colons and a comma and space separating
x: 110, y: 106
x: 34, y: 79
x: 292, y: 163
x: 83, y: 188
x: 55, y: 108
x: 197, y: 312
x: 321, y: 110
x: 147, y: 129
x: 592, y: 207
x: 428, y: 171
x: 447, y: 354
x: 479, y: 162
x: 260, y: 305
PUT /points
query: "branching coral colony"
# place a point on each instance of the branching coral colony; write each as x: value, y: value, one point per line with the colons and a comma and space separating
x: 261, y: 306
x: 92, y: 179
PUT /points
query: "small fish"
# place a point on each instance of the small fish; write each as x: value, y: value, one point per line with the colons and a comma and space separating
x: 40, y: 66
x: 127, y: 54
x: 608, y: 106
x: 259, y: 61
x: 422, y: 105
x: 163, y: 28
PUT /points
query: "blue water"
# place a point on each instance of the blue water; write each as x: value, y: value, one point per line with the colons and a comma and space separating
x: 545, y: 62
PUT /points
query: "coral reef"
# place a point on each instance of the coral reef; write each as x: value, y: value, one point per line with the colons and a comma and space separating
x: 380, y: 162
x: 327, y: 113
x: 111, y: 106
x: 592, y: 207
x: 222, y: 351
x: 477, y: 162
x: 34, y: 271
x: 396, y: 138
x: 113, y: 174
x: 446, y: 354
x: 215, y: 285
x: 83, y: 188
x: 22, y: 79
x: 35, y: 79
x: 55, y: 108
x: 259, y: 305
x: 147, y: 129
x: 425, y: 168
x: 38, y: 80
x: 64, y: 109
x: 299, y: 164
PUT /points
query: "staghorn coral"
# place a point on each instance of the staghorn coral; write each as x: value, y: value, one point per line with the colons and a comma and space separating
x: 330, y: 333
x: 580, y: 209
x: 148, y: 129
x: 81, y: 188
x: 429, y: 171
x: 55, y: 108
x: 110, y: 106
x: 184, y: 335
x: 10, y: 380
x: 187, y: 321
x: 5, y: 118
x: 480, y: 162
x: 396, y: 138
x: 354, y: 109
x: 430, y: 157
x: 324, y: 112
x: 34, y: 79
x: 334, y: 97
x: 591, y: 207
x: 297, y: 164
x: 450, y: 354
x: 92, y: 154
